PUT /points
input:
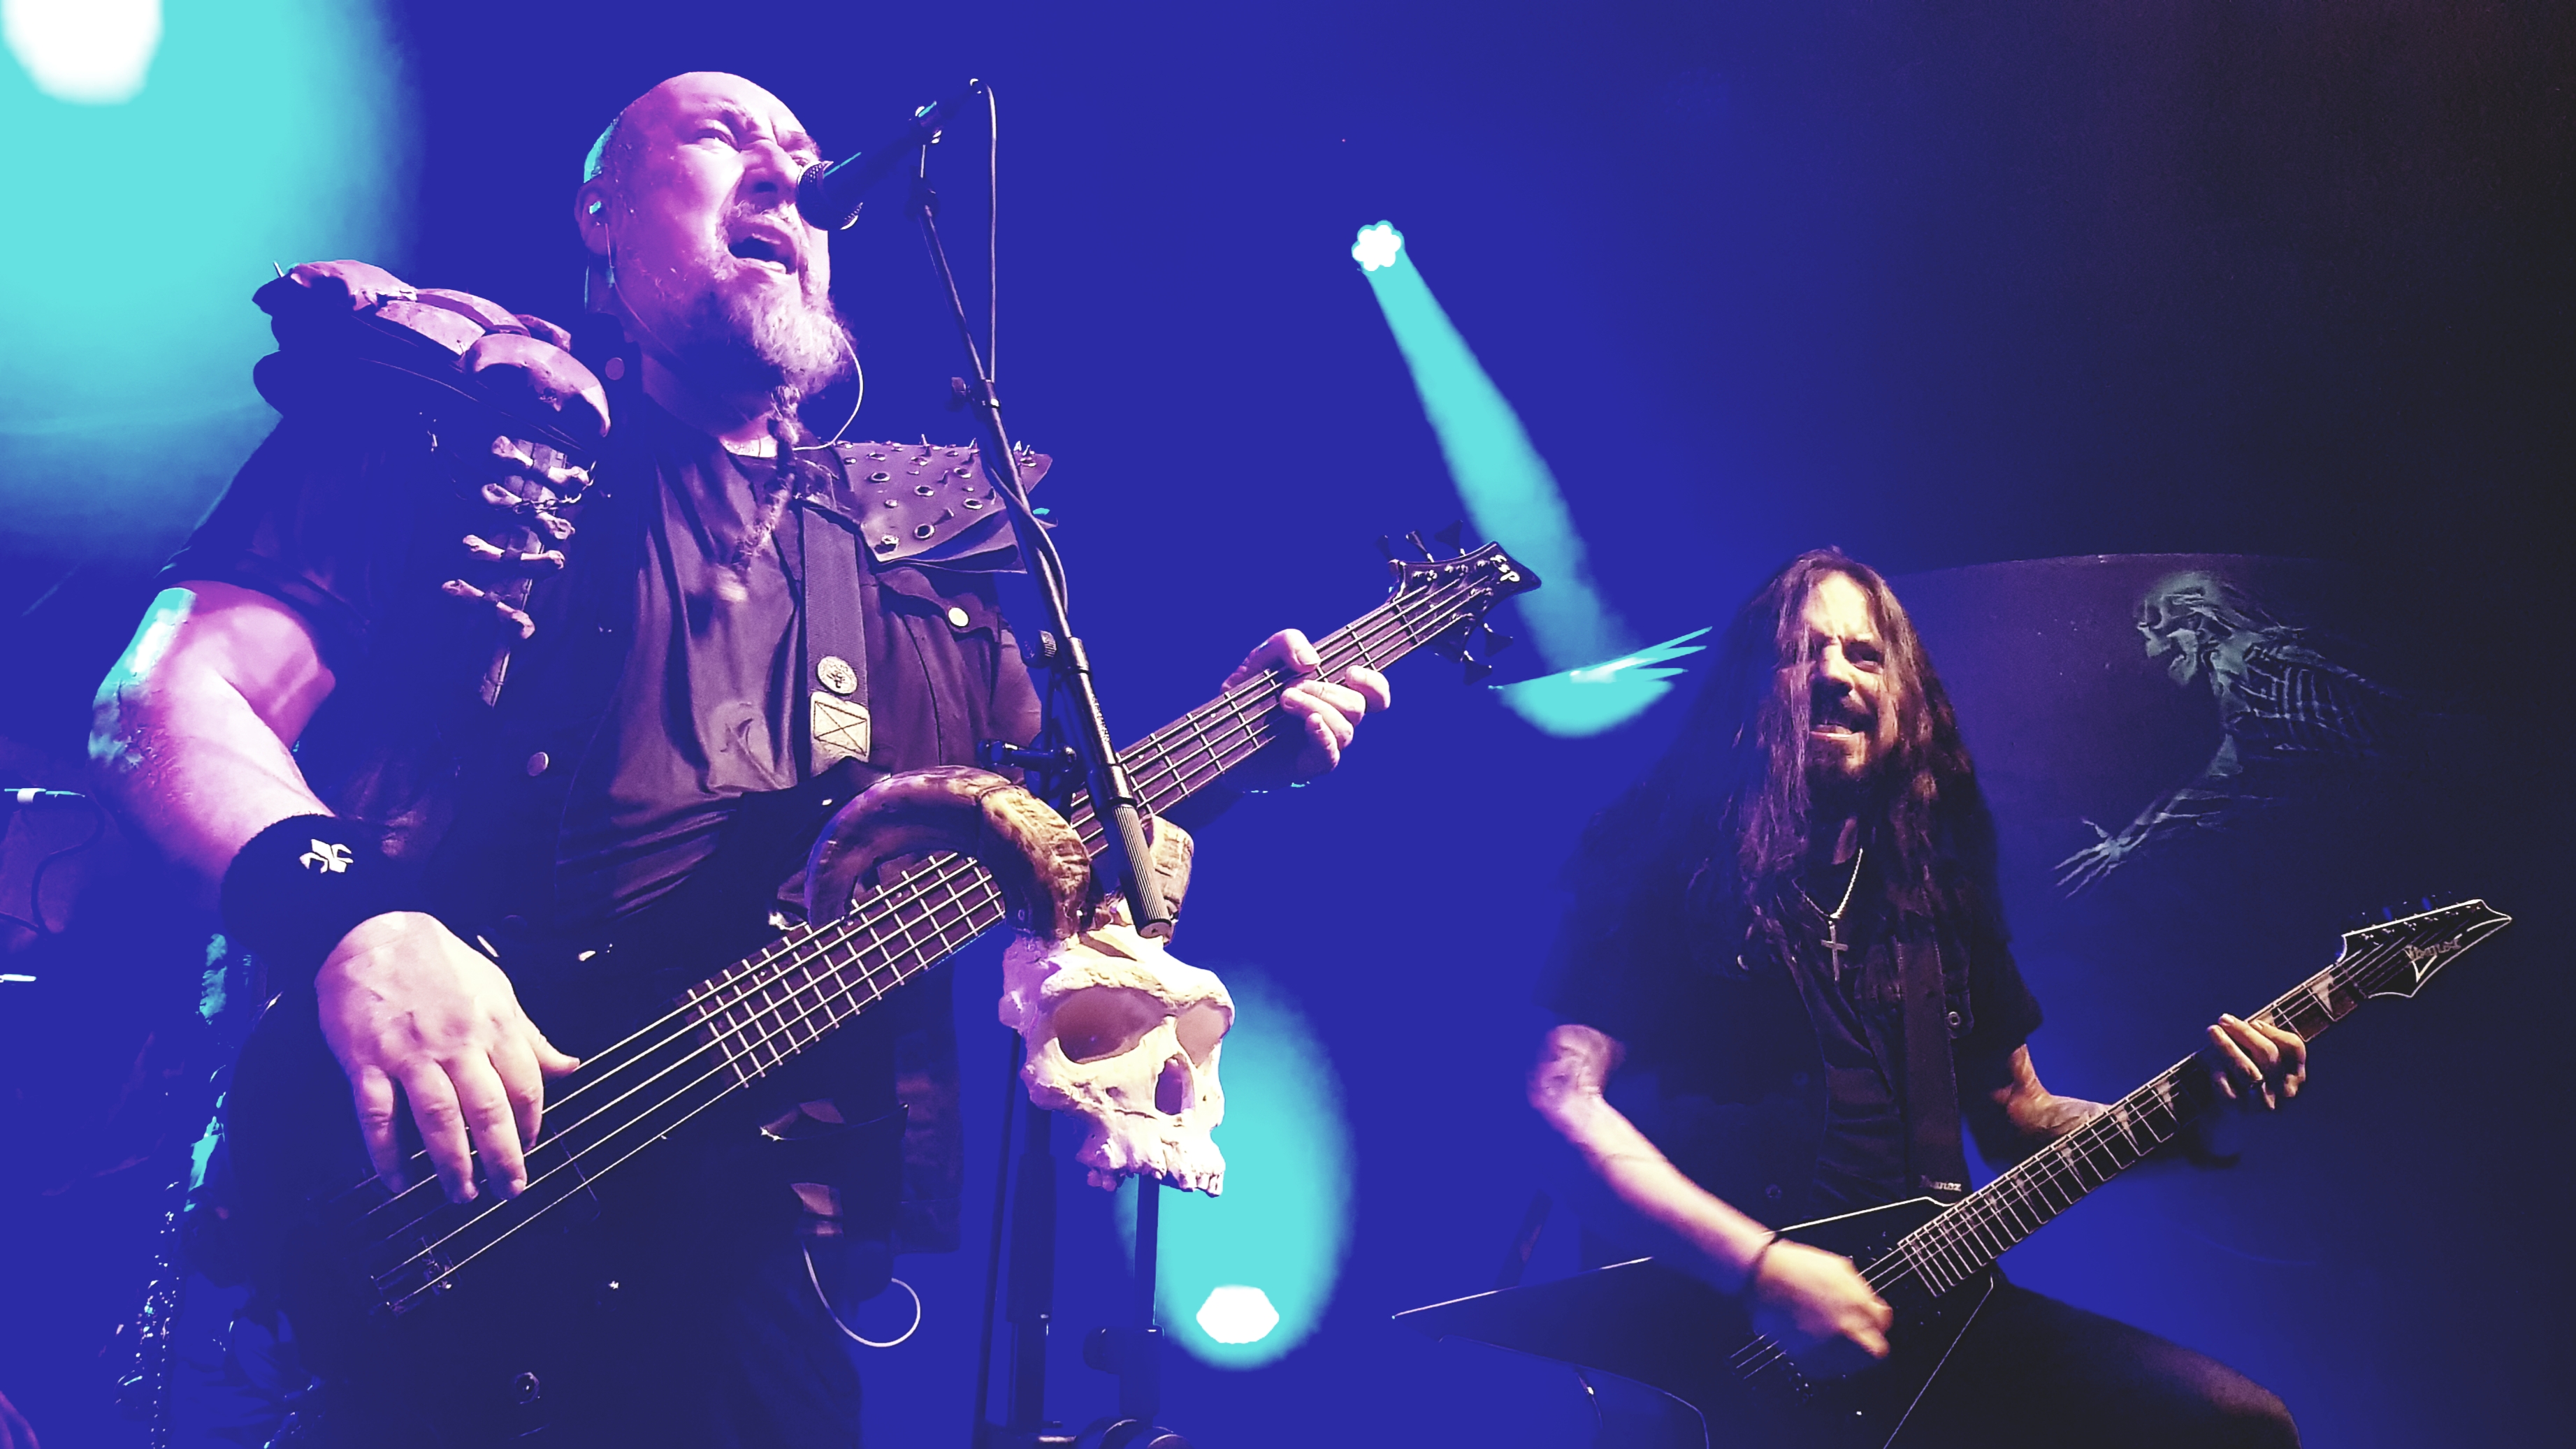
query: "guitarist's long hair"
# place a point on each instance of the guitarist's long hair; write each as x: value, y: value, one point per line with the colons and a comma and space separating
x: 1727, y: 818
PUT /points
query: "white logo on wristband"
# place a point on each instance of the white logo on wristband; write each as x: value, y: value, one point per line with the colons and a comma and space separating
x: 327, y: 858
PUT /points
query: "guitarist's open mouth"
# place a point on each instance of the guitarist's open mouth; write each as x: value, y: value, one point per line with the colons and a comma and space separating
x: 1840, y: 721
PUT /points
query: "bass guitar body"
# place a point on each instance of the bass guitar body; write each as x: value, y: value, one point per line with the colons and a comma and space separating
x: 484, y: 1361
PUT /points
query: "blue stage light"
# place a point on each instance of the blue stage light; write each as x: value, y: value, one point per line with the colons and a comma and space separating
x: 157, y: 165
x: 1513, y: 497
x: 1597, y: 697
x: 1246, y: 1277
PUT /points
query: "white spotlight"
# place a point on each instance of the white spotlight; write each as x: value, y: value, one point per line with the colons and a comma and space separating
x: 1237, y: 1314
x: 89, y: 52
x: 1377, y: 246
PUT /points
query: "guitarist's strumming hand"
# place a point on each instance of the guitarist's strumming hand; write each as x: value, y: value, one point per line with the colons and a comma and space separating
x: 1814, y: 1302
x: 405, y: 1005
x: 1817, y: 1306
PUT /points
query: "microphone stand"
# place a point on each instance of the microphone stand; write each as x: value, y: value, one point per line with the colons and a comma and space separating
x: 1073, y: 717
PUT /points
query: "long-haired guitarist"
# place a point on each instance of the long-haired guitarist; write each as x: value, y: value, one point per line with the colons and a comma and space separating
x: 737, y: 621
x: 1787, y: 984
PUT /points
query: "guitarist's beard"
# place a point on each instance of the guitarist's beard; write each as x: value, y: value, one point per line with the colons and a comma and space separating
x: 1835, y: 798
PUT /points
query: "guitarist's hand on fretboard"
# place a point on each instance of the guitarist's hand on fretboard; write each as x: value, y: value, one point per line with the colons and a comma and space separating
x: 2254, y: 1063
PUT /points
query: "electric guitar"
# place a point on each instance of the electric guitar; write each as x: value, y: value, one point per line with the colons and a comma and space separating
x: 451, y: 1312
x: 1931, y: 1264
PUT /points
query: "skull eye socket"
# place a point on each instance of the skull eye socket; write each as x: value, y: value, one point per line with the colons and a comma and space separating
x: 1200, y: 1028
x: 1105, y: 1021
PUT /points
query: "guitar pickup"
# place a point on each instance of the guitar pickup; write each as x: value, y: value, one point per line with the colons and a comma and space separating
x: 414, y: 1283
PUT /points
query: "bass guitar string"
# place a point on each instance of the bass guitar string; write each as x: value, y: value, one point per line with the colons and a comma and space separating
x: 732, y: 994
x: 826, y: 1006
x: 1917, y: 1253
x: 1401, y: 612
x: 1250, y: 702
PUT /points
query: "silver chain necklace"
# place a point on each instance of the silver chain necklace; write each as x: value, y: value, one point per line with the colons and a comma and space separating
x: 1834, y: 941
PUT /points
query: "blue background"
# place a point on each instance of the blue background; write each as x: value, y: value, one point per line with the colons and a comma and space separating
x: 1941, y: 283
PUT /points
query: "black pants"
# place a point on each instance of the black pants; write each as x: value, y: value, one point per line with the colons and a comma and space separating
x: 2034, y: 1373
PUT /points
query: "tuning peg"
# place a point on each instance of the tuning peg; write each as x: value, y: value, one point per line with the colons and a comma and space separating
x: 1449, y: 536
x: 1495, y: 643
x: 1476, y: 668
x: 1415, y: 538
x: 1386, y: 546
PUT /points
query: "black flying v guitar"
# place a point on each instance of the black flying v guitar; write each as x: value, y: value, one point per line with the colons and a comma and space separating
x: 1644, y: 1321
x: 451, y: 1307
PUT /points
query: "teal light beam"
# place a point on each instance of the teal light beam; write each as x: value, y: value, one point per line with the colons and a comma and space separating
x: 272, y: 131
x: 1245, y: 1278
x: 1510, y: 493
x: 1598, y: 697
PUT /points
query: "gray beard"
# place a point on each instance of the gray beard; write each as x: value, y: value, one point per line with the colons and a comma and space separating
x: 738, y: 344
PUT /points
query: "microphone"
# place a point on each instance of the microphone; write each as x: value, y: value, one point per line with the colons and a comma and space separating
x: 830, y: 193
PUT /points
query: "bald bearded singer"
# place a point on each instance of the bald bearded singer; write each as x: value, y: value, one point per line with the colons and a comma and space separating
x: 610, y: 806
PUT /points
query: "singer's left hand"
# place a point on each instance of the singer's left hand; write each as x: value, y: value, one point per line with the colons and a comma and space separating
x: 1327, y: 714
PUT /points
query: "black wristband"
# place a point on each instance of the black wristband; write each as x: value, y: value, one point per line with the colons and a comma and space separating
x: 302, y: 884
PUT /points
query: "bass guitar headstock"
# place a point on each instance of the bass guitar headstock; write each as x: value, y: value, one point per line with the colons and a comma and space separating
x: 1457, y: 592
x: 2397, y: 956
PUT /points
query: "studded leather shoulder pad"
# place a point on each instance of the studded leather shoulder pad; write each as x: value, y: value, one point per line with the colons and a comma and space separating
x: 929, y: 503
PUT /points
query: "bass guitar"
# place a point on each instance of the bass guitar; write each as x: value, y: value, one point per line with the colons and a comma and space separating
x: 455, y: 1314
x: 1931, y: 1263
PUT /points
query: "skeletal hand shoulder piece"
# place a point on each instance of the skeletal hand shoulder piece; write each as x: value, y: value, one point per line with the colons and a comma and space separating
x: 353, y: 334
x: 505, y: 418
x: 1120, y: 1032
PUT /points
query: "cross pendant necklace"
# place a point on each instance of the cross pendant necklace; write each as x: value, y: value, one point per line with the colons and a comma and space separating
x: 1834, y: 942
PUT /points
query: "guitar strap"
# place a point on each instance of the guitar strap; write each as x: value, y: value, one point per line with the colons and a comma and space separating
x: 1933, y: 1158
x: 836, y: 640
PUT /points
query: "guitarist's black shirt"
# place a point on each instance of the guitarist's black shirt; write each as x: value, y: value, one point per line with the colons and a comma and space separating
x: 1857, y: 1018
x: 1775, y: 1085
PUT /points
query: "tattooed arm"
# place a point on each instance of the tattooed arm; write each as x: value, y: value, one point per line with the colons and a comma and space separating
x: 1813, y: 1301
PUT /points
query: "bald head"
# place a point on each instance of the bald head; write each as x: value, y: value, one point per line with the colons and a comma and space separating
x: 687, y: 205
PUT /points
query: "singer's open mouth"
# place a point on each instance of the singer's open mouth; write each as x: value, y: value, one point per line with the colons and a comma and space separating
x: 761, y: 251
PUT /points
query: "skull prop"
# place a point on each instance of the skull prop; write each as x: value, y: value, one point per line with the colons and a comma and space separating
x: 1119, y: 1031
x: 1126, y: 1036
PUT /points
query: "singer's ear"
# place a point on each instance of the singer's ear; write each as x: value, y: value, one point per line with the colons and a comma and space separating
x: 590, y: 214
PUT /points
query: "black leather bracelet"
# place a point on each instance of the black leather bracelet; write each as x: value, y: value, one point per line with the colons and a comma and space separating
x: 1753, y: 1269
x: 305, y: 882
